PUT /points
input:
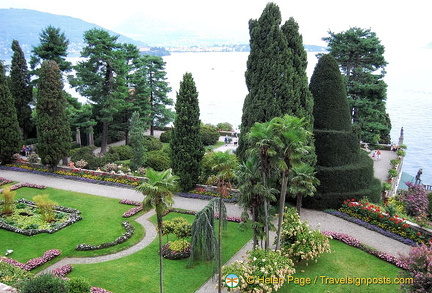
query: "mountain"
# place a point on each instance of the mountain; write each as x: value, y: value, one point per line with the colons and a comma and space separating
x: 25, y: 26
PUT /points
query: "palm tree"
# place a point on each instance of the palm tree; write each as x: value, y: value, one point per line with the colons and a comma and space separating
x: 303, y: 183
x: 291, y: 138
x: 158, y: 191
x: 262, y: 141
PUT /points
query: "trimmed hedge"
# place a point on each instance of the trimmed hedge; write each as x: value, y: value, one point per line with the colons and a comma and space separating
x: 158, y: 160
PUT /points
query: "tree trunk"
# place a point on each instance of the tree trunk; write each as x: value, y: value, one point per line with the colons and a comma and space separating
x: 159, y: 223
x: 281, y: 207
x: 255, y: 230
x: 104, y: 144
x: 299, y: 203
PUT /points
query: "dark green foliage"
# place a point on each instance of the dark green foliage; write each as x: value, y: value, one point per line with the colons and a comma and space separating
x: 224, y: 126
x: 45, y: 283
x: 21, y: 89
x: 152, y: 143
x: 209, y: 134
x: 78, y: 285
x: 124, y: 151
x: 54, y: 135
x: 53, y: 46
x: 137, y: 142
x: 158, y: 160
x: 360, y: 55
x: 12, y: 275
x: 343, y: 170
x: 166, y: 136
x: 186, y: 144
x: 10, y: 134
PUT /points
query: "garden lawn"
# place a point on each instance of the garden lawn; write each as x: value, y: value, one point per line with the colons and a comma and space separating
x: 102, y: 218
x: 344, y: 261
x: 139, y: 272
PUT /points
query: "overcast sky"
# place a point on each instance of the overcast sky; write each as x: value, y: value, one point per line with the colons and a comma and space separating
x: 399, y: 25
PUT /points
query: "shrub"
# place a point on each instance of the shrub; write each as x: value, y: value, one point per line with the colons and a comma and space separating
x: 165, y: 136
x: 298, y: 241
x: 209, y: 134
x: 430, y: 203
x: 12, y: 275
x: 124, y: 151
x: 416, y: 201
x: 46, y: 207
x: 178, y: 226
x: 81, y: 164
x: 260, y: 264
x: 158, y: 160
x: 152, y: 143
x: 78, y: 285
x: 418, y: 266
x: 178, y: 249
x: 8, y: 200
x: 44, y: 283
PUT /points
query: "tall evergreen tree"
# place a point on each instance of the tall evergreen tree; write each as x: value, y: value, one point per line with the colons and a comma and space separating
x: 268, y: 58
x: 137, y: 142
x: 54, y: 135
x: 342, y: 168
x: 21, y: 89
x: 10, y: 134
x: 360, y: 55
x: 186, y: 144
x: 53, y: 46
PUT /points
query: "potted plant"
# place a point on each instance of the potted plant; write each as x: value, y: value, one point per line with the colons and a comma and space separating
x: 392, y: 173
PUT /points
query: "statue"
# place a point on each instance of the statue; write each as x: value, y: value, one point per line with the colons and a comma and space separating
x: 417, y: 178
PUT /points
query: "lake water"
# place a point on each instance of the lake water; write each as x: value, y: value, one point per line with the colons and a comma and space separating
x: 219, y: 79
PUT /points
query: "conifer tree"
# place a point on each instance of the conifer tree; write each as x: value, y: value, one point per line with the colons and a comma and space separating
x: 137, y: 142
x: 21, y: 89
x: 343, y: 170
x: 186, y: 144
x: 54, y: 135
x: 10, y: 134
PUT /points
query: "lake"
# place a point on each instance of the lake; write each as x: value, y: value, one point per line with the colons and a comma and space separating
x: 220, y: 82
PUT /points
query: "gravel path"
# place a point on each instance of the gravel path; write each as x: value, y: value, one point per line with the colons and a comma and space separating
x: 316, y: 219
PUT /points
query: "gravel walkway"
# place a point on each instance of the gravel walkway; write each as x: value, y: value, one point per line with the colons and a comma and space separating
x: 316, y: 219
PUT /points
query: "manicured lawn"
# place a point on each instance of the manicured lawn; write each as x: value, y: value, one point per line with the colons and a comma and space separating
x: 102, y: 218
x: 344, y: 261
x: 140, y: 272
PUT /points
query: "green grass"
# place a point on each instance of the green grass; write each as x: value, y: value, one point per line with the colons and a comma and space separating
x: 102, y: 218
x: 344, y: 261
x: 143, y: 267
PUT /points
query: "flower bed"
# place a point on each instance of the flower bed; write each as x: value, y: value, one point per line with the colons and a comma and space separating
x: 34, y: 262
x: 373, y: 215
x: 132, y: 211
x: 125, y: 236
x: 61, y: 272
x: 4, y: 181
x: 26, y: 184
x: 207, y: 195
x: 347, y: 239
x: 231, y: 219
x: 179, y: 249
x: 73, y: 217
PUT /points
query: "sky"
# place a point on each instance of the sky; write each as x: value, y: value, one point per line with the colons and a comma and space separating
x: 398, y: 24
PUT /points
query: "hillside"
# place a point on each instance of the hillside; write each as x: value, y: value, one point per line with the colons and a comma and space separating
x: 25, y: 25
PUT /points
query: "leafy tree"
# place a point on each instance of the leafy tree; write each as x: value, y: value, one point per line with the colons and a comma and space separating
x: 10, y: 134
x: 53, y: 46
x: 137, y: 142
x: 158, y: 191
x: 360, y: 55
x: 54, y: 135
x: 21, y: 89
x: 186, y: 144
x: 344, y: 171
x: 101, y: 76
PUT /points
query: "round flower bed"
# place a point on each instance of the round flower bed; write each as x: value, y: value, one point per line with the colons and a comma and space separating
x: 176, y: 250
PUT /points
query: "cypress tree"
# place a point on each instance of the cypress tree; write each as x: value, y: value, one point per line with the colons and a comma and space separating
x: 21, y: 89
x: 54, y: 135
x: 268, y: 87
x: 10, y: 134
x: 137, y: 142
x: 186, y: 144
x: 343, y: 170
